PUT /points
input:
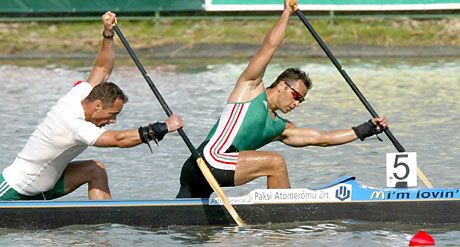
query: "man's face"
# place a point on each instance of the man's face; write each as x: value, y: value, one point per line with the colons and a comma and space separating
x: 292, y: 94
x: 107, y: 115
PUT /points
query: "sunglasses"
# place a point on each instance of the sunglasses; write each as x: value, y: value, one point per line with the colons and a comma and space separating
x: 296, y: 95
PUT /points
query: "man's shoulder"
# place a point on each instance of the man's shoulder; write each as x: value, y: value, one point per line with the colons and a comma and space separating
x: 81, y: 84
x: 80, y: 89
x: 69, y: 107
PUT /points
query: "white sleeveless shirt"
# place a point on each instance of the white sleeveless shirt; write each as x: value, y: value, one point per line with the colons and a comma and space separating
x: 61, y: 137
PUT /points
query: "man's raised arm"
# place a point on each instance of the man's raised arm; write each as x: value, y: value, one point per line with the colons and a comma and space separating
x: 258, y: 64
x: 106, y: 57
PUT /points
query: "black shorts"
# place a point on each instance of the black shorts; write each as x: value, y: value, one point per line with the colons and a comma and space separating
x: 194, y: 185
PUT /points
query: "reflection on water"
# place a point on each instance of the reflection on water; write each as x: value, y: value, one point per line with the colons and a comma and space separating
x: 341, y: 233
x: 421, y: 99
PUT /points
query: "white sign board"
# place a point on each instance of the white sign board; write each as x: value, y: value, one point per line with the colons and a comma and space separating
x: 402, y: 169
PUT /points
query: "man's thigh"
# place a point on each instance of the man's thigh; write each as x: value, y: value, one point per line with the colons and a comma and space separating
x: 254, y: 164
x: 78, y: 173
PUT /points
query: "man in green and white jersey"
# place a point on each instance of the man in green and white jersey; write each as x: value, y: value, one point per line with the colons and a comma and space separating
x: 249, y: 121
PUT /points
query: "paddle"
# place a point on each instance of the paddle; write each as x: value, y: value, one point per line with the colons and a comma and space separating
x: 201, y: 163
x: 355, y: 89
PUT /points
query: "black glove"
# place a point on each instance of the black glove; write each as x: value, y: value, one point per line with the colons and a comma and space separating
x: 366, y: 129
x: 155, y: 132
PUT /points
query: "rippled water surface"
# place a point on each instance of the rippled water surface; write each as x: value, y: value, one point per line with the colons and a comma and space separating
x: 421, y: 98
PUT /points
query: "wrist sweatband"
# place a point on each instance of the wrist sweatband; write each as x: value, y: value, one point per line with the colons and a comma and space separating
x: 108, y: 36
x: 155, y: 131
x: 366, y: 129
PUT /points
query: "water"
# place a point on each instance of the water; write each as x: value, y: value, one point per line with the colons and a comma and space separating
x: 420, y: 97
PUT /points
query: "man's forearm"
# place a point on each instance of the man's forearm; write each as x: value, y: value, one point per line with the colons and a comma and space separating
x: 106, y: 56
x: 278, y: 31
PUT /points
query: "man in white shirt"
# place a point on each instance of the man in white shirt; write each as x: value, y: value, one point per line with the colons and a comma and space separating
x: 45, y: 169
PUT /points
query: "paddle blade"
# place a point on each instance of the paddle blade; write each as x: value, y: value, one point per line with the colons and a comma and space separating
x: 215, y: 186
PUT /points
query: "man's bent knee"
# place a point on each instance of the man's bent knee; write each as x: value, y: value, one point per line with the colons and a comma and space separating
x: 91, y: 169
x: 99, y: 164
x: 99, y: 168
x: 277, y: 162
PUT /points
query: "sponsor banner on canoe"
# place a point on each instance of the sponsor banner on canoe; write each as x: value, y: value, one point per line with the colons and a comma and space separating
x: 408, y: 194
x: 337, y: 193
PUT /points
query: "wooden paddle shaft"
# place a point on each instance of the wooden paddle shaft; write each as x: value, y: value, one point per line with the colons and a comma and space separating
x: 215, y: 186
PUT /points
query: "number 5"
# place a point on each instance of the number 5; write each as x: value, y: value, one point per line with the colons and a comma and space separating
x: 406, y: 174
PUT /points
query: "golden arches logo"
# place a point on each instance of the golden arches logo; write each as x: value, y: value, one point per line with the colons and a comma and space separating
x: 378, y: 195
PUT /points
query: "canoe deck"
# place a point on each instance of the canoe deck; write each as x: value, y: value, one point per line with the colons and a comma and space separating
x: 342, y: 200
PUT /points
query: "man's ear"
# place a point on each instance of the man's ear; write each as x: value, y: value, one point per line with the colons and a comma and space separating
x: 98, y: 105
x: 280, y: 85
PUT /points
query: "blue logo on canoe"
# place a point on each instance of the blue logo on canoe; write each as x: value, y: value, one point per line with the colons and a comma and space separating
x: 342, y: 193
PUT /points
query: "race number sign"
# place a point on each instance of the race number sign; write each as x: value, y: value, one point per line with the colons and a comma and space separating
x: 402, y: 169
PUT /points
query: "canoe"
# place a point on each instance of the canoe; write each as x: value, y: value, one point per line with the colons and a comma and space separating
x: 341, y: 200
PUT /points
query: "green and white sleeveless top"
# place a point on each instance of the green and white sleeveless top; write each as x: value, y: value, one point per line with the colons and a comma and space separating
x: 244, y: 125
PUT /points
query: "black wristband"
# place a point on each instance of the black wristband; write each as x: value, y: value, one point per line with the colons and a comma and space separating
x: 366, y: 129
x: 155, y: 131
x: 143, y: 134
x: 108, y: 36
x: 160, y: 129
